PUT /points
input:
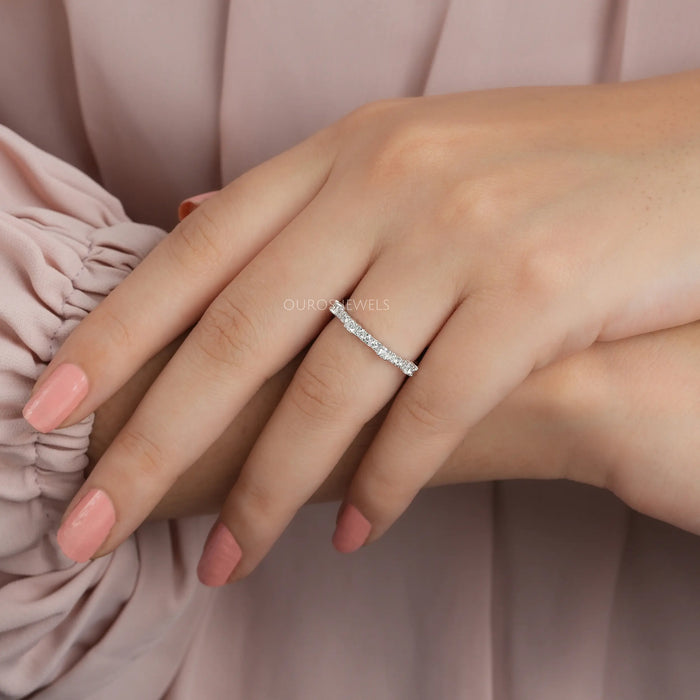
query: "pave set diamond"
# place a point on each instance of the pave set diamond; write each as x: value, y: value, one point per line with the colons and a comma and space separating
x: 406, y: 366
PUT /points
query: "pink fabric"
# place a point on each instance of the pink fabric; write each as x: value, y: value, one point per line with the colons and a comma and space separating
x: 489, y: 591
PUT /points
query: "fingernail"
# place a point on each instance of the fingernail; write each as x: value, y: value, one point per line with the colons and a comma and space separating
x: 352, y: 530
x: 220, y: 557
x: 187, y: 206
x: 57, y: 399
x: 88, y: 525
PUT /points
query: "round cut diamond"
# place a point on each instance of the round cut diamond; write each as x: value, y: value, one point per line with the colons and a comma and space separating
x: 406, y: 366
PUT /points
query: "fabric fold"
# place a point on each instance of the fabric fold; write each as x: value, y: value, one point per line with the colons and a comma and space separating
x: 179, y: 76
x: 289, y: 72
x: 64, y: 244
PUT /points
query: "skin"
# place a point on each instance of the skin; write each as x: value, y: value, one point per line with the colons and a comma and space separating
x: 603, y: 417
x: 536, y: 419
x: 531, y: 224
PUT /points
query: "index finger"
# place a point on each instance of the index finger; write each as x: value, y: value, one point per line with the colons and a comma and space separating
x: 174, y: 284
x: 247, y: 334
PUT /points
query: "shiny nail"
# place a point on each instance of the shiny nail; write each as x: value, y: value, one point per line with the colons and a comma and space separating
x: 220, y: 557
x: 187, y: 206
x: 352, y: 530
x: 57, y: 399
x: 88, y: 525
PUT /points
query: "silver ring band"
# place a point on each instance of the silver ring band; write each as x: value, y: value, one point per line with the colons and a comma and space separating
x: 406, y: 366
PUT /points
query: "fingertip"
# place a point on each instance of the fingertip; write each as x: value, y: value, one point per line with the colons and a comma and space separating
x: 57, y: 398
x: 219, y: 558
x: 185, y: 209
x: 187, y: 206
x: 87, y: 526
x: 343, y: 506
x: 352, y: 530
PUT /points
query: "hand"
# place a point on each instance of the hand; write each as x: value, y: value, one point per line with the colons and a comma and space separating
x: 644, y: 433
x: 506, y: 229
x: 537, y: 430
x: 622, y: 415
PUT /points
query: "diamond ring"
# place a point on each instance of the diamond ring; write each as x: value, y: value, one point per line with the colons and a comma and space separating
x: 406, y: 366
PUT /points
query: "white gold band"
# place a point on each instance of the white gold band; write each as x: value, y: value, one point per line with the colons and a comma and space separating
x: 406, y: 366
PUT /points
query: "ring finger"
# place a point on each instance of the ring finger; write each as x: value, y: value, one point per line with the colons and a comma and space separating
x: 339, y: 386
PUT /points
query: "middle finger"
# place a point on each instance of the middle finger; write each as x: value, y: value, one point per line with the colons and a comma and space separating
x: 339, y: 386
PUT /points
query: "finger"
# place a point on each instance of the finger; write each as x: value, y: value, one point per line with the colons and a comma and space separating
x: 173, y: 285
x: 479, y: 356
x: 339, y: 386
x: 245, y: 336
x: 187, y: 206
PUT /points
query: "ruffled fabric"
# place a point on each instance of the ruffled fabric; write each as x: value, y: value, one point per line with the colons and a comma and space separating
x: 64, y: 244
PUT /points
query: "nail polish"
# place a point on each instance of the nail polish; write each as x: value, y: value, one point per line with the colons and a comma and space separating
x: 352, y: 530
x: 220, y: 557
x: 57, y: 399
x: 187, y: 206
x: 87, y: 527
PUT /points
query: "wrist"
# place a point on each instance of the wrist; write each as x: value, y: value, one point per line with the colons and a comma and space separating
x: 540, y: 431
x: 575, y: 394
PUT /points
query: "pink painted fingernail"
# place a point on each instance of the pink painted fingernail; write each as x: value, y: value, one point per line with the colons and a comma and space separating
x: 187, y: 206
x: 220, y: 557
x: 88, y: 525
x: 57, y: 399
x: 352, y: 530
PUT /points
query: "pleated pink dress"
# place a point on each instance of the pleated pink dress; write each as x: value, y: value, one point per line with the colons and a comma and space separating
x: 113, y: 111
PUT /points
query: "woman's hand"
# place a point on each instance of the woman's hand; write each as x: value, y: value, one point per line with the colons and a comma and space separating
x: 504, y: 229
x: 537, y: 430
x: 622, y: 415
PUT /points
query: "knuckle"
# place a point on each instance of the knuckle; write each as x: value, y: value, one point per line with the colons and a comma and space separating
x: 117, y: 331
x: 420, y: 410
x: 481, y: 204
x: 543, y: 274
x: 227, y: 333
x: 367, y: 114
x: 409, y: 147
x: 382, y: 495
x: 194, y: 245
x: 318, y: 391
x: 141, y: 451
x: 257, y: 503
